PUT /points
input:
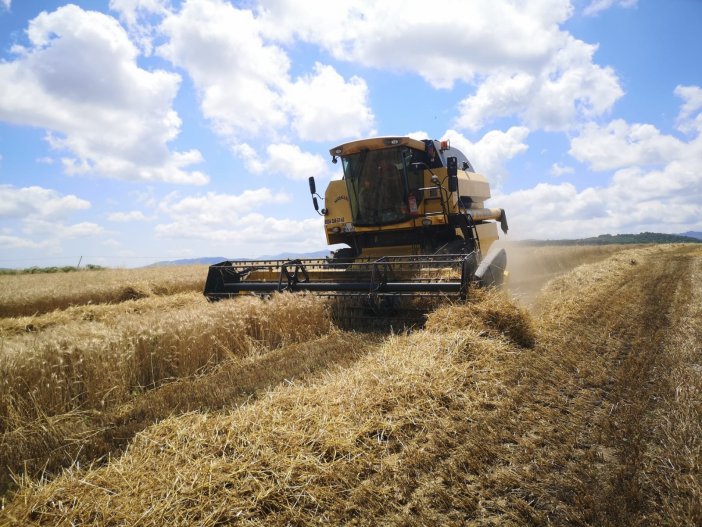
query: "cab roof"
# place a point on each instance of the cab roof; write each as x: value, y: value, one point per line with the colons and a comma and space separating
x: 376, y: 143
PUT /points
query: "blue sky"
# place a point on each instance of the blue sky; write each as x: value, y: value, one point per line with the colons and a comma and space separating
x: 133, y: 131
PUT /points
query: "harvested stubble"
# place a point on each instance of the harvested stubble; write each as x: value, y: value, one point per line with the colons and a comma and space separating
x: 671, y: 462
x: 532, y: 266
x: 624, y: 328
x: 31, y: 294
x: 480, y: 419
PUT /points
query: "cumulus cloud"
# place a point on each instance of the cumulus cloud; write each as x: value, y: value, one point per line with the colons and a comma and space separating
x: 15, y: 242
x: 284, y: 159
x: 131, y: 11
x: 436, y: 43
x: 690, y: 117
x: 634, y: 201
x: 212, y: 208
x: 656, y: 184
x: 61, y: 231
x: 489, y: 154
x: 596, y: 6
x: 137, y: 15
x: 243, y: 96
x: 79, y: 79
x: 256, y: 232
x: 37, y: 202
x: 122, y: 217
x: 569, y: 87
x: 325, y: 107
x: 255, y: 95
x: 234, y: 218
x: 619, y: 144
x: 557, y: 170
x: 515, y: 54
x: 42, y: 215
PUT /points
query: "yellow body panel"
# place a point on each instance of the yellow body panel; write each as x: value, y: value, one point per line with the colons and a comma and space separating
x: 474, y: 185
x: 431, y: 208
x: 338, y: 220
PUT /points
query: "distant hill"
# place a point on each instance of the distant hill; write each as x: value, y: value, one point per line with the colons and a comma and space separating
x: 209, y: 260
x: 692, y: 234
x: 609, y: 239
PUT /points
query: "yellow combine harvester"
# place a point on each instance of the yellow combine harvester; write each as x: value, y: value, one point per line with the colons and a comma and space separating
x: 412, y: 220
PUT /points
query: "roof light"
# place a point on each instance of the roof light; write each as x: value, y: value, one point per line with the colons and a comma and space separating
x: 446, y: 145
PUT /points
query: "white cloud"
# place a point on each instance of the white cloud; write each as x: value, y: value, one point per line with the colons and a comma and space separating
x: 284, y: 159
x: 419, y: 135
x: 568, y: 88
x: 325, y: 107
x: 619, y: 144
x: 256, y: 232
x: 111, y: 243
x: 60, y: 231
x: 557, y: 170
x: 37, y: 202
x: 657, y: 185
x: 454, y: 41
x: 243, y: 96
x: 254, y: 95
x: 79, y: 79
x: 138, y: 15
x: 596, y: 6
x: 42, y: 214
x: 6, y: 4
x: 134, y: 215
x: 214, y: 209
x: 15, y: 242
x: 132, y: 10
x: 690, y: 117
x: 489, y: 154
x: 635, y: 201
x: 500, y: 94
x: 515, y: 53
x: 220, y: 218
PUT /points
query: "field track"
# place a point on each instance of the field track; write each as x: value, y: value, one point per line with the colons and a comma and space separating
x: 584, y: 411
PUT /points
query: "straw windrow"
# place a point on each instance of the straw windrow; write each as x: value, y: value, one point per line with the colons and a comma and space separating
x: 488, y: 416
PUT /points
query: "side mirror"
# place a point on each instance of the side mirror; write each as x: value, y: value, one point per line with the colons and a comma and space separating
x: 452, y: 173
x: 313, y: 187
x: 314, y: 202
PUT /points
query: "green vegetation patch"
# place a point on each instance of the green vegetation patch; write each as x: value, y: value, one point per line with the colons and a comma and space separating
x: 64, y: 269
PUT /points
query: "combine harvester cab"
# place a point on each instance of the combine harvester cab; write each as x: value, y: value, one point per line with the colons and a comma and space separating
x: 410, y: 216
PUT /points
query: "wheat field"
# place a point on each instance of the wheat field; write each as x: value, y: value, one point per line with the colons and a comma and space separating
x: 575, y: 399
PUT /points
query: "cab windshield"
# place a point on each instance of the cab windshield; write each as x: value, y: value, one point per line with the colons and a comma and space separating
x: 378, y: 187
